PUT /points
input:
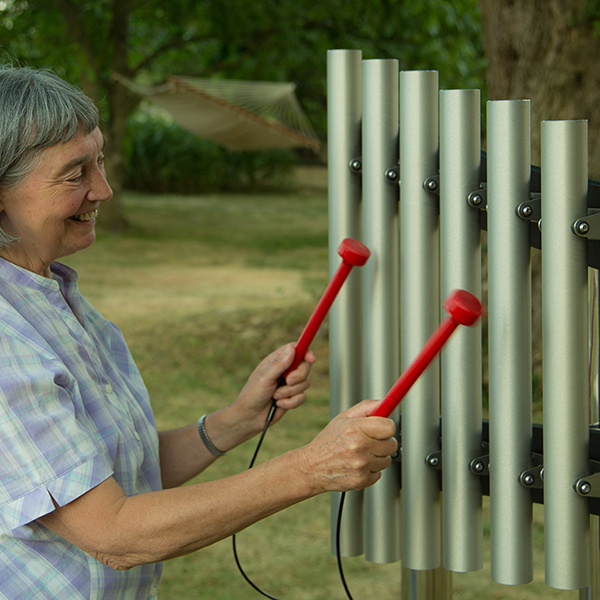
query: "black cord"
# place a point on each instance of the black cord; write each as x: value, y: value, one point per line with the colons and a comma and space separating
x: 235, y: 554
x: 337, y: 532
x: 338, y: 549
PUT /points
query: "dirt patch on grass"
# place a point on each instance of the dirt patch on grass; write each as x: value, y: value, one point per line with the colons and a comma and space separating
x: 152, y: 292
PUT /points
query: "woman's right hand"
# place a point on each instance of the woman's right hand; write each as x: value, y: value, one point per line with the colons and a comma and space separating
x: 351, y: 451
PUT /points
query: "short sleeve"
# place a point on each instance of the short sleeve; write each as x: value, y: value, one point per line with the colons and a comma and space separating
x: 37, y: 502
x: 48, y: 444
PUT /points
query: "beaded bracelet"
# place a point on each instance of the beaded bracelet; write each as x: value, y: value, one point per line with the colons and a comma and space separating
x: 206, y: 440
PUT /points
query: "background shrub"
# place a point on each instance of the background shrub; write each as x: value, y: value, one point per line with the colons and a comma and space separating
x: 162, y: 157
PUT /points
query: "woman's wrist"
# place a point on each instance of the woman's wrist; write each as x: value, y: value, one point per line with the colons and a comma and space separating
x: 206, y: 440
x: 227, y: 428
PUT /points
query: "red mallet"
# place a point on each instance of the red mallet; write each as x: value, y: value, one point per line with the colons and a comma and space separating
x: 463, y: 309
x: 354, y: 254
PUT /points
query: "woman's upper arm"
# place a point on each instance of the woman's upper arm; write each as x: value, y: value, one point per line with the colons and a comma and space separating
x: 88, y: 523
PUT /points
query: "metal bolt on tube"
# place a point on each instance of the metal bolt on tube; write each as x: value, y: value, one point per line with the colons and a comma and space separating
x: 460, y: 267
x: 509, y: 277
x: 344, y: 115
x: 420, y: 313
x: 381, y: 287
x: 565, y: 368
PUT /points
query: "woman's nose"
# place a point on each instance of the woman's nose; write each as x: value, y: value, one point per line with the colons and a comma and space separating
x: 100, y: 190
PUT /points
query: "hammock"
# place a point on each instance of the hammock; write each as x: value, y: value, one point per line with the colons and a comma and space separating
x: 238, y: 115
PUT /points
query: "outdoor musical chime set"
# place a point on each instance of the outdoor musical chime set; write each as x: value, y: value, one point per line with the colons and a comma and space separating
x: 463, y: 308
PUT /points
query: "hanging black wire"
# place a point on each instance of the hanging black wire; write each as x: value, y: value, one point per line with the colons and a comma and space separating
x: 233, y: 538
x: 337, y: 532
x: 338, y: 549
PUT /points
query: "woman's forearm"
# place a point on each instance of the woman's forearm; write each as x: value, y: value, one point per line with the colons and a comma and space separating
x: 227, y: 506
x: 123, y: 532
x: 183, y: 454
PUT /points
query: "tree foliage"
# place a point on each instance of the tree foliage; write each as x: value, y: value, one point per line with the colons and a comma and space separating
x: 86, y: 41
x: 289, y: 41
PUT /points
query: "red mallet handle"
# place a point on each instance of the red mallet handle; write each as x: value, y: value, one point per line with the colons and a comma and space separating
x: 463, y: 309
x: 354, y: 254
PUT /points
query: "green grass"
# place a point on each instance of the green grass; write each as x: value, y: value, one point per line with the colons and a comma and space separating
x: 195, y: 347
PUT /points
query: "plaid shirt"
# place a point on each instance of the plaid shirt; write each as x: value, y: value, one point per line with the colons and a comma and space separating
x: 73, y: 412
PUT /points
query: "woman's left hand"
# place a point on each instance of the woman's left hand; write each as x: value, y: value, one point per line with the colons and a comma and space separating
x: 261, y: 389
x: 246, y: 416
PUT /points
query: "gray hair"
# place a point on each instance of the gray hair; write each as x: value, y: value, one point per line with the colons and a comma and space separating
x: 37, y: 109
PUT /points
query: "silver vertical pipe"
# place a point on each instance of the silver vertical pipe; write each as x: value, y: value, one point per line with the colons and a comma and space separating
x: 419, y: 243
x: 593, y: 360
x: 509, y: 322
x: 593, y: 281
x: 461, y: 360
x: 565, y: 339
x: 344, y: 111
x: 381, y: 285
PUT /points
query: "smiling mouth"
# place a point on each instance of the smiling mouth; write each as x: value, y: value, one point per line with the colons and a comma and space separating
x: 85, y: 216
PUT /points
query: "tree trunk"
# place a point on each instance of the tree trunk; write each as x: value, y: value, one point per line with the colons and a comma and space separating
x: 120, y: 104
x: 545, y: 51
x: 111, y: 217
x: 96, y: 82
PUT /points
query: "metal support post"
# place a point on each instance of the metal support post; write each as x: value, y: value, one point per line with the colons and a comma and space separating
x: 509, y: 321
x: 594, y: 382
x: 344, y: 112
x: 420, y: 300
x: 461, y: 360
x: 565, y: 347
x: 381, y: 288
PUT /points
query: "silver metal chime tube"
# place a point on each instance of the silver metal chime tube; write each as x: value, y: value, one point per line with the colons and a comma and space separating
x: 381, y: 287
x: 509, y: 322
x: 344, y: 113
x: 420, y: 315
x: 565, y: 347
x: 593, y: 284
x: 460, y: 260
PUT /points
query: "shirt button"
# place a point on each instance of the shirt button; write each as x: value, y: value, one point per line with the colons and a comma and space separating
x: 109, y: 389
x: 137, y: 436
x: 154, y: 591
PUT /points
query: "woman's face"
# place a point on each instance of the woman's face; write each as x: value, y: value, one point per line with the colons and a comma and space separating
x: 53, y: 210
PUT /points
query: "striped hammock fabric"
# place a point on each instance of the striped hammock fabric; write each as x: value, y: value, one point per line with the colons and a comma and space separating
x: 238, y: 115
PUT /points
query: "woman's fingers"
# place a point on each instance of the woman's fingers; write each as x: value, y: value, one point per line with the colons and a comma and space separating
x: 352, y: 450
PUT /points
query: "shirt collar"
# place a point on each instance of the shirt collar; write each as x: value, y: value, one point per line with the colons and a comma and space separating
x: 63, y: 277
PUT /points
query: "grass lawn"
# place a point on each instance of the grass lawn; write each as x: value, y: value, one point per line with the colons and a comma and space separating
x: 203, y: 288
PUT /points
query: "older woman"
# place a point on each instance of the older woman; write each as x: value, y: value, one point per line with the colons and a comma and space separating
x: 89, y: 496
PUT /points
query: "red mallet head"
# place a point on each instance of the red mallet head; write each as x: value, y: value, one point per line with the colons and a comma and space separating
x: 463, y: 307
x: 354, y: 252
